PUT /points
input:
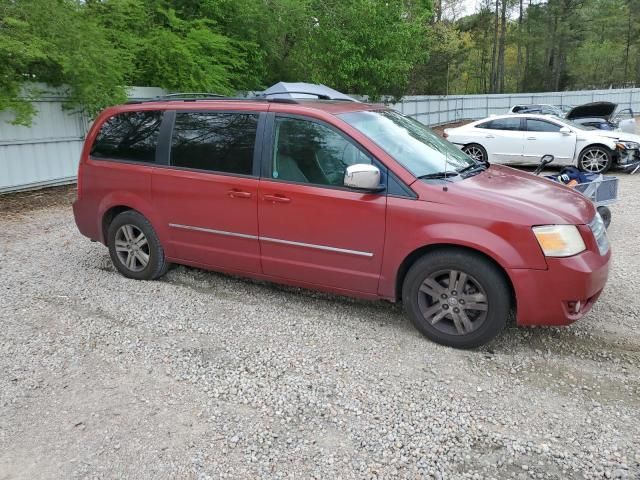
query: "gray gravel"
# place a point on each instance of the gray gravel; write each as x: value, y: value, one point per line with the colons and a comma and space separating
x: 201, y: 375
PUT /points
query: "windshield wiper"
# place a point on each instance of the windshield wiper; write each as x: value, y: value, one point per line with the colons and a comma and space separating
x: 473, y: 168
x: 439, y: 175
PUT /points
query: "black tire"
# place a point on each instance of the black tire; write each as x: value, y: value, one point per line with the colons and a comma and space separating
x: 605, y: 213
x: 120, y: 249
x: 595, y: 159
x: 482, y: 278
x: 476, y: 151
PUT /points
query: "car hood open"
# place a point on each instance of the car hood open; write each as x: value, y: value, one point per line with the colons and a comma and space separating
x: 592, y: 110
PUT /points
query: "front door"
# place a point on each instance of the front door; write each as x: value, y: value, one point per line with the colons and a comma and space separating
x: 544, y: 138
x: 208, y: 193
x: 313, y: 229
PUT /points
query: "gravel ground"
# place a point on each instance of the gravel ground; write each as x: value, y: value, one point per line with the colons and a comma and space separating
x: 202, y: 375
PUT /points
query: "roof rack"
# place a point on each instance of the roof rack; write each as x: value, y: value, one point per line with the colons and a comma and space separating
x: 321, y: 96
x: 186, y: 97
x: 189, y: 95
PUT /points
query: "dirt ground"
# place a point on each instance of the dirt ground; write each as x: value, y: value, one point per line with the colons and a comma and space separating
x: 201, y: 375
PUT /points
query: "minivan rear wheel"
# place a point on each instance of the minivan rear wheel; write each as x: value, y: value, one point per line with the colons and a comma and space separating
x: 134, y: 247
x: 456, y: 298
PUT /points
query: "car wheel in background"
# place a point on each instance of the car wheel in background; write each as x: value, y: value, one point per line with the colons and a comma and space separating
x: 457, y: 298
x: 475, y: 151
x: 595, y: 160
x: 134, y: 247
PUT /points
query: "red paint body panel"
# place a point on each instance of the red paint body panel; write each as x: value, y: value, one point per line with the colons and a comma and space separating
x: 543, y: 295
x: 324, y: 217
x: 207, y: 201
x: 369, y: 235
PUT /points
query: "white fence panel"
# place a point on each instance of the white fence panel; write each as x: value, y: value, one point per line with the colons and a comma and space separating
x: 47, y: 152
x: 436, y: 110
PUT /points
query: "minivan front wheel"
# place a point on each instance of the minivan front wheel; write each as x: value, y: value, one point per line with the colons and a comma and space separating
x: 134, y: 247
x: 456, y: 298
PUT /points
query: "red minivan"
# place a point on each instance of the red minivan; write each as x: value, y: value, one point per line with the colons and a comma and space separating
x: 340, y: 196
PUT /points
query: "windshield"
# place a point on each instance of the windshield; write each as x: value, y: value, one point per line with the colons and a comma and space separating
x: 410, y: 143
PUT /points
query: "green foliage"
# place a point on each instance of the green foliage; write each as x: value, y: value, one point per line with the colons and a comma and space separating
x: 58, y: 43
x: 363, y: 46
x: 392, y: 47
x: 96, y: 47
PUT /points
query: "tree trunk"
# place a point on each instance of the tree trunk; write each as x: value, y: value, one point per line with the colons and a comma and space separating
x: 519, y: 72
x: 494, y: 52
x: 503, y: 34
x: 626, y: 52
x: 527, y: 57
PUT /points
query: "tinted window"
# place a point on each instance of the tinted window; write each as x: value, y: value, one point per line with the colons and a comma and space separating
x: 220, y: 142
x: 541, y: 126
x: 129, y: 136
x: 310, y: 152
x: 502, y: 124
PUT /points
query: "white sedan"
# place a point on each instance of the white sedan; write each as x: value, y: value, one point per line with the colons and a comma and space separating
x: 525, y: 139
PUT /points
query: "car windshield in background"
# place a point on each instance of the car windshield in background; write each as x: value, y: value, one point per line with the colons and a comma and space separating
x: 414, y: 146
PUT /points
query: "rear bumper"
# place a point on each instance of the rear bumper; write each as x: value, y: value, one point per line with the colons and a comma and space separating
x: 85, y: 220
x: 544, y: 297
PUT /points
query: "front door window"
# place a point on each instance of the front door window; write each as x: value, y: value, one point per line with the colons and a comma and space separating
x: 309, y: 152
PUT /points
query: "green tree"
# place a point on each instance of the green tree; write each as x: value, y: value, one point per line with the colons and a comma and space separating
x: 363, y: 46
x: 57, y: 43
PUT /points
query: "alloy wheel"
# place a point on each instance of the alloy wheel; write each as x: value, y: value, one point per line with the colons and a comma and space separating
x: 594, y: 161
x: 453, y: 302
x: 132, y: 247
x: 474, y: 152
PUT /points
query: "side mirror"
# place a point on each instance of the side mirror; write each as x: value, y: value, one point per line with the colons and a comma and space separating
x: 565, y: 131
x: 362, y: 176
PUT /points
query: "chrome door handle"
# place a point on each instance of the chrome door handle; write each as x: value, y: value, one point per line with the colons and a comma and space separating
x: 277, y: 198
x: 532, y: 138
x: 489, y: 136
x: 238, y: 194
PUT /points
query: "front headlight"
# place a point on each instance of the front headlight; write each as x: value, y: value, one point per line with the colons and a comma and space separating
x: 628, y: 145
x: 559, y: 240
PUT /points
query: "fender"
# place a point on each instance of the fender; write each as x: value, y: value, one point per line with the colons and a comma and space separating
x: 133, y: 201
x: 489, y: 242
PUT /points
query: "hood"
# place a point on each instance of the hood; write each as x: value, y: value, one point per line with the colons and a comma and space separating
x: 527, y: 198
x: 618, y: 135
x: 592, y: 110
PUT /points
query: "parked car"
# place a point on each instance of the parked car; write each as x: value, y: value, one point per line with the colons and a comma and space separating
x: 339, y: 196
x: 603, y: 116
x: 525, y: 139
x: 540, y: 109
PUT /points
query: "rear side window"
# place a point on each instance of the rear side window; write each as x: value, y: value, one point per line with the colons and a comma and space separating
x: 541, y: 126
x: 215, y: 141
x: 129, y: 136
x: 502, y: 124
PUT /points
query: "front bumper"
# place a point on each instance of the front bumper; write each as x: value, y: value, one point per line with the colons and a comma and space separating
x: 547, y: 297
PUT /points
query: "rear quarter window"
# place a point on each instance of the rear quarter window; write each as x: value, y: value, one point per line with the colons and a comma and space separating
x: 131, y: 136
